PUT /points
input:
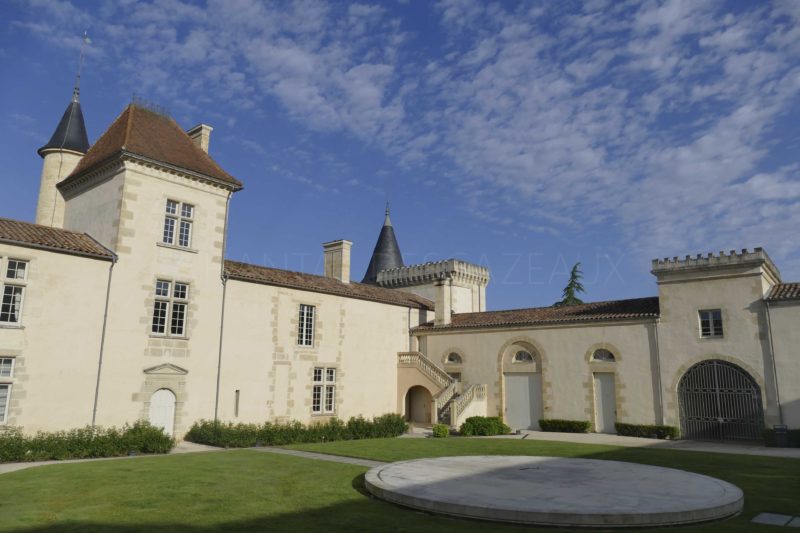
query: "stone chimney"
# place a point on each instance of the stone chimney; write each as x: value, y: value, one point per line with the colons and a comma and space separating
x: 201, y: 135
x: 444, y: 302
x: 337, y: 260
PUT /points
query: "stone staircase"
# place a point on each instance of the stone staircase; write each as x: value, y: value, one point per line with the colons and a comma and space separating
x: 453, y: 398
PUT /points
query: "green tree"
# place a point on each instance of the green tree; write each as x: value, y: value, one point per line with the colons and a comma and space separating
x: 570, y: 294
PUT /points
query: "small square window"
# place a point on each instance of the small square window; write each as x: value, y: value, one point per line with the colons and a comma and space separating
x: 181, y: 291
x: 711, y: 323
x: 172, y: 207
x: 6, y: 367
x: 16, y: 269
x: 330, y: 375
x: 187, y: 210
x: 162, y: 288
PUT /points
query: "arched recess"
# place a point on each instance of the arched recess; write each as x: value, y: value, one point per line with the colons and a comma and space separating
x: 418, y: 405
x: 162, y: 410
x: 523, y: 392
x: 719, y: 400
x: 453, y: 363
x: 604, y: 394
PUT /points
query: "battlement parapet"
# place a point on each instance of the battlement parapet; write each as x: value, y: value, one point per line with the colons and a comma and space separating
x: 745, y: 258
x: 424, y: 273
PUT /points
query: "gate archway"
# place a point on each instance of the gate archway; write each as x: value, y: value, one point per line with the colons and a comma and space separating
x: 720, y: 401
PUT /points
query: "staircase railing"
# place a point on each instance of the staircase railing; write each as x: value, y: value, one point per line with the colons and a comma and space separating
x: 459, y: 405
x: 436, y: 374
x: 444, y: 396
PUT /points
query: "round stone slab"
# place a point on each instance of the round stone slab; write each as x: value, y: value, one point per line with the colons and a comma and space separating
x: 554, y: 491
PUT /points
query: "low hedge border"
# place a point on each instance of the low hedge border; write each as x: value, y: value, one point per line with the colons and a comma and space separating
x: 647, y: 431
x: 83, y: 443
x: 564, y: 426
x: 794, y: 438
x: 483, y: 426
x: 229, y: 435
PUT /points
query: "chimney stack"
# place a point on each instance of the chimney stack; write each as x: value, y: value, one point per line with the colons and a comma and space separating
x: 201, y: 135
x: 444, y: 302
x: 337, y: 260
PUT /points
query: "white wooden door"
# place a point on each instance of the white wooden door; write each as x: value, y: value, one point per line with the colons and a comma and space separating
x: 162, y: 410
x: 605, y: 403
x: 523, y: 400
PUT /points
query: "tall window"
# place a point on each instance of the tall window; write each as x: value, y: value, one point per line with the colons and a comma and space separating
x: 323, y: 394
x: 178, y: 223
x: 6, y: 371
x: 169, y: 309
x: 711, y: 323
x: 305, y: 327
x: 13, y: 284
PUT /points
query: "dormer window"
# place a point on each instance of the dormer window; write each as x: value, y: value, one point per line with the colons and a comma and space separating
x: 523, y: 357
x: 178, y: 224
x: 710, y: 323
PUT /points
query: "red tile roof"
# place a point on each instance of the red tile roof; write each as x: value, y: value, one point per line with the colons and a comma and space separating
x: 784, y: 291
x: 54, y: 239
x: 590, y: 312
x: 310, y: 282
x: 154, y: 136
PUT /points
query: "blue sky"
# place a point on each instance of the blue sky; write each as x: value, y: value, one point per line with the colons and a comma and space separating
x: 522, y: 136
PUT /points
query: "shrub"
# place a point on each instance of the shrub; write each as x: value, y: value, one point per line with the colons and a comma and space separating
x: 441, y: 431
x: 794, y: 438
x: 229, y: 435
x: 647, y: 431
x: 83, y: 443
x: 564, y: 426
x: 484, y: 426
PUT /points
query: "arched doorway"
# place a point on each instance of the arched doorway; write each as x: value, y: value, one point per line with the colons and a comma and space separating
x: 523, y: 388
x: 162, y: 410
x: 418, y: 405
x: 720, y: 401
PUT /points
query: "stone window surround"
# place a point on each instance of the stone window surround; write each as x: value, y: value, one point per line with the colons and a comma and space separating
x: 306, y: 352
x: 505, y: 366
x: 723, y: 320
x: 323, y: 414
x: 179, y: 218
x: 150, y: 303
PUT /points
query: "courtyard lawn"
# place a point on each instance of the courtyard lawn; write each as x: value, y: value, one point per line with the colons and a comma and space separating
x: 247, y: 490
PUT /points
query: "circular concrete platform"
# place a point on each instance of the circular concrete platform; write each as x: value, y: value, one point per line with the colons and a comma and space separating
x: 553, y: 491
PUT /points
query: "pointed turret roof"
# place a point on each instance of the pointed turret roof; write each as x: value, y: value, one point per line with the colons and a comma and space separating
x: 386, y: 254
x: 139, y: 131
x: 70, y: 133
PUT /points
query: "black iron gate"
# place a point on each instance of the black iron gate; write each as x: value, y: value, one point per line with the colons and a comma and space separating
x: 720, y: 401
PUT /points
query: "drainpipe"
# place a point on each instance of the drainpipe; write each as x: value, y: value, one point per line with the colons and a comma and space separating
x: 774, y: 365
x: 224, y: 279
x: 659, y: 394
x: 103, y: 338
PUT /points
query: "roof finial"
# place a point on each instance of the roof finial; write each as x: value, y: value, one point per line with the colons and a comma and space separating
x: 77, y: 90
x: 386, y: 221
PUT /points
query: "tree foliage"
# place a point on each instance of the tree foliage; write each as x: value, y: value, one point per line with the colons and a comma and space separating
x: 574, y: 286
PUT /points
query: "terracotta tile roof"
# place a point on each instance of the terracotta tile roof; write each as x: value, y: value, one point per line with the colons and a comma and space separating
x: 310, y: 282
x: 590, y: 312
x: 784, y: 291
x: 55, y: 239
x: 146, y: 133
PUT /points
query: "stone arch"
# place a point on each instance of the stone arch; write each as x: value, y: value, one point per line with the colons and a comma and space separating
x: 417, y: 404
x: 504, y: 356
x: 593, y: 366
x: 602, y: 346
x: 671, y: 408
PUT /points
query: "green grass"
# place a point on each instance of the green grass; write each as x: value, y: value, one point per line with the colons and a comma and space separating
x: 246, y: 490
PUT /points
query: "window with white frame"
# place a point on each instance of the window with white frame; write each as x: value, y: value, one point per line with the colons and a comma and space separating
x: 323, y: 394
x: 170, y: 308
x: 6, y: 371
x: 305, y: 327
x: 710, y: 323
x: 178, y: 223
x: 14, y: 276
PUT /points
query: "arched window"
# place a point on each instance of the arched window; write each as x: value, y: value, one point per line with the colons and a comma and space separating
x: 603, y: 356
x: 454, y: 359
x: 523, y: 357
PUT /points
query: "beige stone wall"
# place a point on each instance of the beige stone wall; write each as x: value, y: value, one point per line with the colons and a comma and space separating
x: 261, y: 357
x: 57, y: 165
x: 745, y: 342
x: 95, y: 209
x: 57, y: 342
x: 785, y: 319
x: 562, y: 357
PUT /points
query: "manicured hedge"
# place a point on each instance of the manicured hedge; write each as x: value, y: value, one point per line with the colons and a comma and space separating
x: 484, y: 426
x: 794, y: 438
x: 564, y: 426
x: 83, y: 443
x: 231, y: 435
x: 647, y: 431
x: 441, y: 431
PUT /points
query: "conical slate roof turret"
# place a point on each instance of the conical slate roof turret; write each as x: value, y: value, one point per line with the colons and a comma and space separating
x: 70, y: 133
x: 386, y: 254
